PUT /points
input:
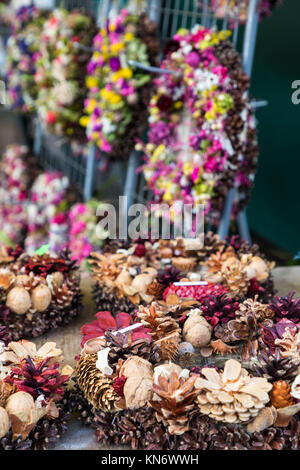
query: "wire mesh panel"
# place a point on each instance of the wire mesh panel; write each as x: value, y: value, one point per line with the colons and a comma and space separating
x: 90, y: 6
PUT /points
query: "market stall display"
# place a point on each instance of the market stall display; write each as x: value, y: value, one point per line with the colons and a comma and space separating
x: 38, y: 293
x: 32, y: 387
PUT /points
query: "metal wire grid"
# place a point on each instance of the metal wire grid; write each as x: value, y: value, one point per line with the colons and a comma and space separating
x: 90, y: 6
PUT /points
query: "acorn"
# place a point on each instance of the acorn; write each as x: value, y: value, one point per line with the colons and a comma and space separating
x: 18, y: 300
x: 41, y: 298
x: 4, y: 422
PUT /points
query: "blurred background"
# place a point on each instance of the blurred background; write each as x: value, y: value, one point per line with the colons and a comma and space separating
x: 274, y: 208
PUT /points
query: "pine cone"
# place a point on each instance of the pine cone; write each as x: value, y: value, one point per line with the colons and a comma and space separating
x: 176, y: 399
x: 235, y: 278
x: 160, y: 326
x: 212, y: 244
x: 156, y: 289
x: 97, y: 387
x: 169, y: 275
x: 261, y: 311
x: 275, y: 368
x: 62, y: 296
x: 122, y: 347
x: 231, y: 396
x: 215, y: 262
x: 286, y: 307
x: 280, y: 394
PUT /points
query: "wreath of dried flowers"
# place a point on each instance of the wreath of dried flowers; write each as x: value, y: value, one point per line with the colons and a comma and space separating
x: 61, y: 71
x: 17, y: 171
x: 23, y: 51
x: 47, y: 212
x: 83, y: 238
x: 116, y: 108
x: 208, y: 97
x: 130, y: 274
x: 237, y: 10
x: 37, y: 293
x: 175, y: 379
x: 31, y: 393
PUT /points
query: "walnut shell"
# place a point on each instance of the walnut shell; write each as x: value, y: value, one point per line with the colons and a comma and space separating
x: 141, y: 282
x: 137, y: 391
x: 136, y: 366
x: 197, y: 331
x: 41, y: 298
x: 18, y: 300
x: 4, y: 422
x: 21, y: 409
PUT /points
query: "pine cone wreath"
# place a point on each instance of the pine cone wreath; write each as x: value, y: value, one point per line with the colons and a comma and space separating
x: 97, y: 387
x: 43, y: 437
x: 280, y: 394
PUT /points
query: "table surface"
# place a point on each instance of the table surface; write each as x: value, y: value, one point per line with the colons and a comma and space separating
x: 78, y: 436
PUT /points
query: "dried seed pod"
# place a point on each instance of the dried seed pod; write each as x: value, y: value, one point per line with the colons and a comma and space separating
x: 21, y: 409
x: 4, y: 422
x: 197, y: 330
x: 18, y: 300
x: 41, y: 298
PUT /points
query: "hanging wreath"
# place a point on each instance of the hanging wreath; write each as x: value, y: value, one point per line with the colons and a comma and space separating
x: 61, y: 71
x: 238, y: 9
x: 47, y: 212
x: 17, y: 171
x: 82, y: 234
x: 23, y: 51
x: 116, y: 108
x: 202, y: 138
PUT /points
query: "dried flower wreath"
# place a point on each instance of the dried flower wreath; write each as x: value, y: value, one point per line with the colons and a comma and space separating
x: 202, y: 138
